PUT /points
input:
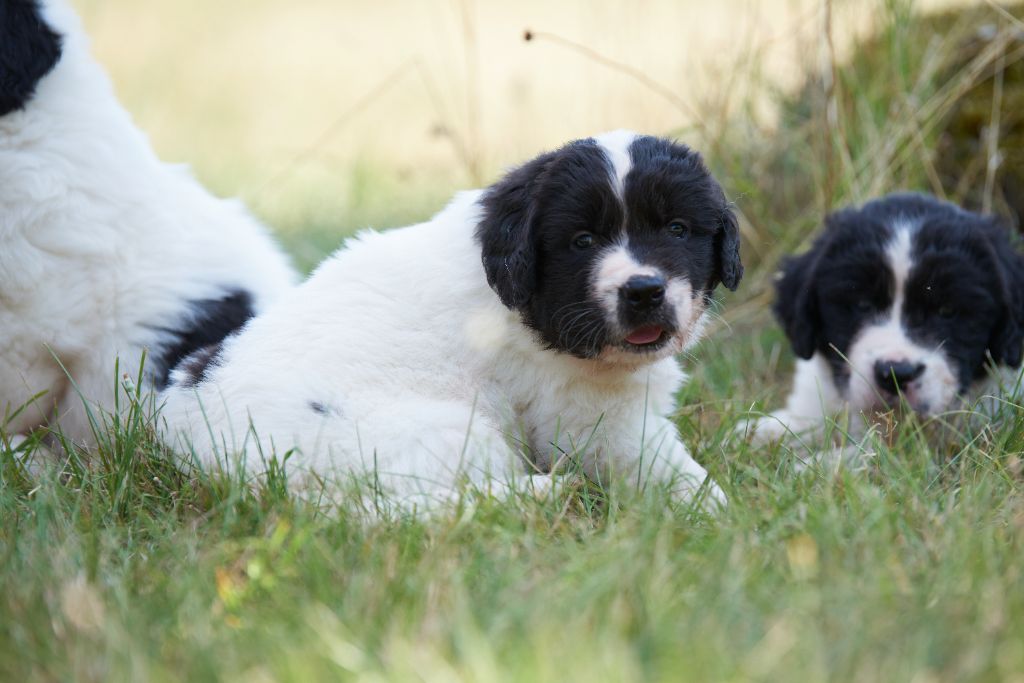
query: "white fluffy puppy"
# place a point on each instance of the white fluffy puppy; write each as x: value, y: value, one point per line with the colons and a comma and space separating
x: 523, y: 325
x: 105, y: 252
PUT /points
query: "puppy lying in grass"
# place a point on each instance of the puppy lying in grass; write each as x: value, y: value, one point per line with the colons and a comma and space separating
x: 105, y: 252
x: 905, y: 303
x: 526, y: 325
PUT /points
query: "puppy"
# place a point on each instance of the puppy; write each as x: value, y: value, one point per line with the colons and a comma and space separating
x: 105, y: 252
x: 907, y: 301
x: 524, y: 325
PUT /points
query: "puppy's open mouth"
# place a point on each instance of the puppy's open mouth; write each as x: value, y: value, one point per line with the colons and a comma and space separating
x: 646, y: 338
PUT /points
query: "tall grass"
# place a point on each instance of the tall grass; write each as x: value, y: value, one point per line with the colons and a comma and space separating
x: 118, y: 566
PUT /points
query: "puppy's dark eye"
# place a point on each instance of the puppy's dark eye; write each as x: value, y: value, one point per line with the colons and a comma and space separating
x: 946, y: 312
x: 583, y: 240
x: 864, y: 306
x: 679, y: 229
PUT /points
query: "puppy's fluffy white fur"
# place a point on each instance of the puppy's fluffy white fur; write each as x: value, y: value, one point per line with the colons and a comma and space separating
x: 102, y: 246
x: 397, y: 358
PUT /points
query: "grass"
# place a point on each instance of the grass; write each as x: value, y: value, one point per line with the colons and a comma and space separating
x: 125, y: 569
x: 120, y: 567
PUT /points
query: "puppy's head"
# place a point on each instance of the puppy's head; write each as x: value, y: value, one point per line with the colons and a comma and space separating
x: 610, y: 247
x: 29, y: 49
x: 907, y: 296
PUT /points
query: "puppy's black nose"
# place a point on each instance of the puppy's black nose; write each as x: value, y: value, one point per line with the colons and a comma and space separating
x: 644, y: 292
x: 893, y: 374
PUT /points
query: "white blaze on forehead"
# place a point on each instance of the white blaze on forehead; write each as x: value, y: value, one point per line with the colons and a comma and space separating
x: 898, y: 254
x: 616, y: 146
x: 886, y: 340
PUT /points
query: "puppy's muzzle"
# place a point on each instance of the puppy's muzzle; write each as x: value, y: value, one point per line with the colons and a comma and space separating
x: 893, y: 376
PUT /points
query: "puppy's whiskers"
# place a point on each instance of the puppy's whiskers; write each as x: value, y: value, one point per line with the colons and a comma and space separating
x: 579, y: 326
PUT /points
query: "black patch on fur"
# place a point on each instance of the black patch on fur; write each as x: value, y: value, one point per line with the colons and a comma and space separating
x: 29, y: 49
x: 569, y: 184
x: 532, y: 216
x: 820, y: 294
x: 324, y: 409
x: 964, y: 291
x: 670, y: 181
x: 966, y: 267
x: 197, y: 365
x: 207, y: 323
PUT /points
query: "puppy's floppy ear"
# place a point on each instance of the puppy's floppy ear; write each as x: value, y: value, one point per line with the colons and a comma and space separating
x: 730, y: 268
x: 1007, y: 341
x: 794, y: 308
x: 28, y: 50
x: 795, y: 305
x: 505, y: 232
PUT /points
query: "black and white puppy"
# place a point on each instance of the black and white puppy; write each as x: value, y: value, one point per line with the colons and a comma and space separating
x: 527, y: 323
x: 907, y: 301
x: 105, y: 252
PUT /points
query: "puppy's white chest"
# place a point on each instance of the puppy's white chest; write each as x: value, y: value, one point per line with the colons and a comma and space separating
x: 559, y: 415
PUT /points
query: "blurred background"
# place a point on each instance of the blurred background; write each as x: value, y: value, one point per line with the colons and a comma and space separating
x: 327, y: 116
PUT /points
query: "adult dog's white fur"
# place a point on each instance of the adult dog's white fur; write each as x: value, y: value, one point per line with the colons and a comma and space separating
x: 397, y: 358
x: 103, y: 248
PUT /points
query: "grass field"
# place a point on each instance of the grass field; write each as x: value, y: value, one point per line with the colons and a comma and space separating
x: 122, y: 568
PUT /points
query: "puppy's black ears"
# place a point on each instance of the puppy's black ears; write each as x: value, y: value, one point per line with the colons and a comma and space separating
x: 730, y: 268
x: 1006, y: 343
x: 29, y: 48
x: 795, y: 307
x: 505, y: 232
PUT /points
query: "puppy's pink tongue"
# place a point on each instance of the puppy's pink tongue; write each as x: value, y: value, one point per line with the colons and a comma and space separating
x: 645, y: 335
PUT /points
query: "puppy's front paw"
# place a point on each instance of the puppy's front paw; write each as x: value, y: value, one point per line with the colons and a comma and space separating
x: 775, y: 427
x: 714, y: 497
x: 35, y: 458
x: 706, y: 494
x: 853, y: 457
x: 761, y: 430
